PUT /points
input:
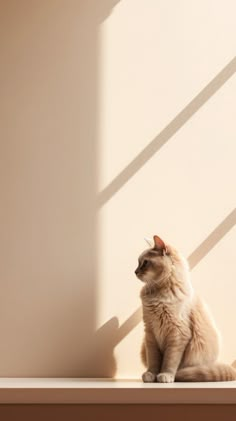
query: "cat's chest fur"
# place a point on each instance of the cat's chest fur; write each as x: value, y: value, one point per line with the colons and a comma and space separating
x: 162, y: 317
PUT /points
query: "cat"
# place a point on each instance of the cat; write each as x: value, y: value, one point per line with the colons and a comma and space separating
x: 181, y: 341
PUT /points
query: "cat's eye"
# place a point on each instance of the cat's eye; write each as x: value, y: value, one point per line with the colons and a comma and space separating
x: 144, y: 264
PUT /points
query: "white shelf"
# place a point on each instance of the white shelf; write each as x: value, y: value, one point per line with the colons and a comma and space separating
x: 89, y: 391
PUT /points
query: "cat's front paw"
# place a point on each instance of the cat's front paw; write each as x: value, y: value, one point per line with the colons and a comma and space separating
x: 149, y: 377
x: 165, y: 378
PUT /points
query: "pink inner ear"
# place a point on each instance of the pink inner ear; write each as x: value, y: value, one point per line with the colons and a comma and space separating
x: 159, y: 244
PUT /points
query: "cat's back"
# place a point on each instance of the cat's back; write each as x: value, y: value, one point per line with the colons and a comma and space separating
x: 201, y: 319
x: 204, y: 345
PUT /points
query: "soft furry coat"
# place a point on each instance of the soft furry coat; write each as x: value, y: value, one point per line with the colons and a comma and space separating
x: 181, y: 340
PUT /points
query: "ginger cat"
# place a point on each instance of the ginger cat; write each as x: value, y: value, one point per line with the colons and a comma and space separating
x: 181, y: 341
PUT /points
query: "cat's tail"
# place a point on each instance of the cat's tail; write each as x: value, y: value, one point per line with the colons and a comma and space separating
x: 216, y: 372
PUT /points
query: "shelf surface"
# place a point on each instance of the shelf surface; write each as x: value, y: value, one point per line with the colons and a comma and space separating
x: 89, y: 391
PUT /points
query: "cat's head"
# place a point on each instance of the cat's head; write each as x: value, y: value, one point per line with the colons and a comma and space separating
x: 155, y: 264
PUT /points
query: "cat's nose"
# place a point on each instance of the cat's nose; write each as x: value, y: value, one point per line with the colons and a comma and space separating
x: 136, y: 271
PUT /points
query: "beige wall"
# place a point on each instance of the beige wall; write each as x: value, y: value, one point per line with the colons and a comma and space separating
x: 117, y: 122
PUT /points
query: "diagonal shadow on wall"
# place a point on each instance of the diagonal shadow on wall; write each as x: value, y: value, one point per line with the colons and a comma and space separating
x: 108, y: 336
x: 111, y: 334
x: 166, y: 134
x: 207, y: 245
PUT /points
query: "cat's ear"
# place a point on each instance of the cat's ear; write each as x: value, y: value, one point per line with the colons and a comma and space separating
x: 149, y: 241
x: 160, y: 245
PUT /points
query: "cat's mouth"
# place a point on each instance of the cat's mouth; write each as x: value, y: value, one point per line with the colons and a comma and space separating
x: 140, y: 276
